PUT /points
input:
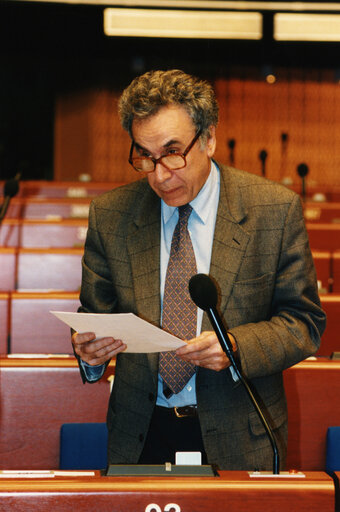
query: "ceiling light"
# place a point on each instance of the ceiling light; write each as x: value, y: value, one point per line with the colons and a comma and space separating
x: 306, y: 27
x: 182, y: 24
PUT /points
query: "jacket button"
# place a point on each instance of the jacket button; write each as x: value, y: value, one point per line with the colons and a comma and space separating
x: 141, y: 437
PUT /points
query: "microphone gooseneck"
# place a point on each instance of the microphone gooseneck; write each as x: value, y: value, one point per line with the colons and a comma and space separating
x: 303, y: 170
x: 263, y: 157
x: 203, y: 292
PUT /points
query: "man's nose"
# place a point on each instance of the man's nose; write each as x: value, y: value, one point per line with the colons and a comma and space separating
x: 161, y: 173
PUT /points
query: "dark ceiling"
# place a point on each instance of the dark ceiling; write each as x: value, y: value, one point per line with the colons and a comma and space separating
x: 48, y: 48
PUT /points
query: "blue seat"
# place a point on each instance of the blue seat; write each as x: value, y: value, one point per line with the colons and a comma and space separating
x: 333, y: 449
x: 83, y: 446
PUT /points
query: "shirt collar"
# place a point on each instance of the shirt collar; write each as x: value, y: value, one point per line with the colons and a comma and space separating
x: 202, y: 202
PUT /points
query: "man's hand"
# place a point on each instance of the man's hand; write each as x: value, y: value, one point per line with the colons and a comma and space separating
x: 98, y: 351
x: 206, y: 351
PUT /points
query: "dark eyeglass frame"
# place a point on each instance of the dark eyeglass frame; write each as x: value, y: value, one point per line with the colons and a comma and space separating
x: 156, y: 160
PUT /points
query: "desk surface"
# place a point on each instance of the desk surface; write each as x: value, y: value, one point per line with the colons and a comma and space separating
x: 154, y: 494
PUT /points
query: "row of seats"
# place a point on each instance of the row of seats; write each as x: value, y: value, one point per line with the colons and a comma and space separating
x: 29, y: 327
x: 71, y: 232
x: 39, y: 395
x: 322, y: 212
x: 40, y: 269
x: 76, y: 189
x: 60, y: 269
x: 78, y: 207
x: 61, y: 189
x: 43, y: 233
x: 56, y: 208
x: 327, y: 265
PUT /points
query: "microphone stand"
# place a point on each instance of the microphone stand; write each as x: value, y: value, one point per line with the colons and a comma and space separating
x: 231, y: 145
x: 263, y: 156
x: 203, y: 292
x: 226, y: 345
x: 302, y: 170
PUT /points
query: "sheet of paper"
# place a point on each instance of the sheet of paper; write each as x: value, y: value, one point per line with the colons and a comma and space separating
x: 26, y: 474
x: 139, y: 335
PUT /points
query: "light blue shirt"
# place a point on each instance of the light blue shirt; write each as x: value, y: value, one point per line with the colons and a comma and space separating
x: 201, y: 227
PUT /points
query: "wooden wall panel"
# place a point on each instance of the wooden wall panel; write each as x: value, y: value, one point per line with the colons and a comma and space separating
x: 304, y: 106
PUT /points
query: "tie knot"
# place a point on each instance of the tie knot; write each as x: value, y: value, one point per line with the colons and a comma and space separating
x: 184, y: 212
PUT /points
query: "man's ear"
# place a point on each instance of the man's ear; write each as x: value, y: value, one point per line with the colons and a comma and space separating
x: 211, y: 141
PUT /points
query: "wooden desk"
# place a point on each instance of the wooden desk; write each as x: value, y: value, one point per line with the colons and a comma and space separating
x: 4, y: 322
x: 37, y: 396
x: 33, y: 329
x: 43, y: 233
x: 324, y: 236
x: 322, y: 212
x: 313, y: 391
x: 7, y: 268
x: 74, y: 189
x: 232, y: 491
x: 49, y: 269
x: 336, y: 272
x: 9, y: 233
x: 48, y: 208
x: 330, y: 340
x: 323, y: 267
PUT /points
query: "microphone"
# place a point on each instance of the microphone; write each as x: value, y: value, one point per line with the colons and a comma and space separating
x: 302, y: 170
x: 231, y: 145
x: 203, y: 292
x: 11, y: 188
x: 263, y: 157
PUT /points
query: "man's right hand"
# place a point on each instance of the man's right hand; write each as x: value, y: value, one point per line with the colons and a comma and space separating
x: 98, y: 351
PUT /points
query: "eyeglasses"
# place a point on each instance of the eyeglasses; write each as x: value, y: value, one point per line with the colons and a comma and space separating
x: 172, y: 161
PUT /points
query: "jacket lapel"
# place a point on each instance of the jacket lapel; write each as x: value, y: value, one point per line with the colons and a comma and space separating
x: 230, y: 240
x: 143, y: 244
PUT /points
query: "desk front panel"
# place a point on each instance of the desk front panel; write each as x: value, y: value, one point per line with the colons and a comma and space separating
x: 232, y: 491
x: 36, y: 401
x: 313, y: 392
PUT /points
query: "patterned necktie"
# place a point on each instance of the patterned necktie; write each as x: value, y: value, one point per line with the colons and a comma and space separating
x: 179, y: 312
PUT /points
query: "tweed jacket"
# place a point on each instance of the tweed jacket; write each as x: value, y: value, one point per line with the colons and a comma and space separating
x: 261, y: 260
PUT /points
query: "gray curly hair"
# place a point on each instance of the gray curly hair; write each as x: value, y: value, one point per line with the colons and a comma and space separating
x: 155, y: 89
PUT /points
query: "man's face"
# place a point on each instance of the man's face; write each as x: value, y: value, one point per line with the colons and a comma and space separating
x: 172, y: 130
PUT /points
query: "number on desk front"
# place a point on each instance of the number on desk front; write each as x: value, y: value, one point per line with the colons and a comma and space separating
x: 170, y: 507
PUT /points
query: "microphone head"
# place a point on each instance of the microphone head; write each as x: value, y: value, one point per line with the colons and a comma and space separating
x: 302, y: 170
x: 11, y: 188
x: 263, y: 155
x: 203, y: 291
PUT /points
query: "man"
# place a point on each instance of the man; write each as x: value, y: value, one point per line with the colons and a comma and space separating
x: 248, y: 234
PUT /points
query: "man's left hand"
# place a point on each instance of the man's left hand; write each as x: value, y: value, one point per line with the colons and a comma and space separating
x: 206, y: 351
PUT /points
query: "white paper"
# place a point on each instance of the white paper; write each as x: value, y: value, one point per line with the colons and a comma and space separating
x: 188, y: 459
x: 26, y: 474
x: 139, y: 335
x: 23, y: 473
